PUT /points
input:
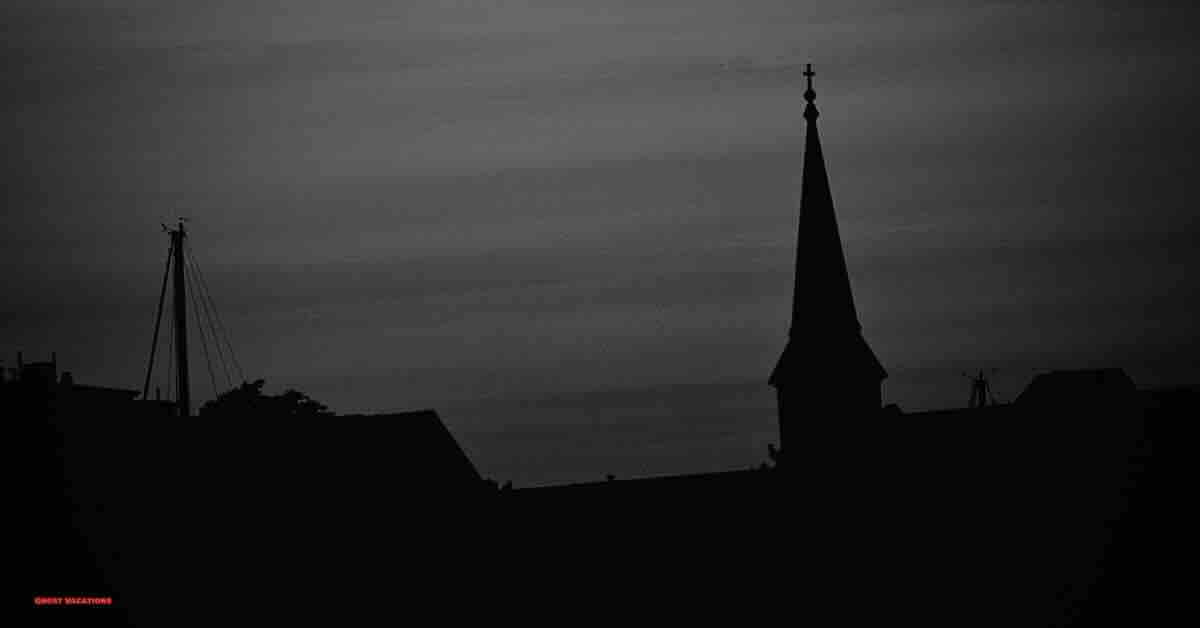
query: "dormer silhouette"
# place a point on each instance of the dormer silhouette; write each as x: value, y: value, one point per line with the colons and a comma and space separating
x: 827, y: 371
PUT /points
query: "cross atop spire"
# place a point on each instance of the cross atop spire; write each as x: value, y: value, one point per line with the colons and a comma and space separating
x: 810, y: 110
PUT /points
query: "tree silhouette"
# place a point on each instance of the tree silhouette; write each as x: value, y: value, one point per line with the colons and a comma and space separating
x: 248, y: 400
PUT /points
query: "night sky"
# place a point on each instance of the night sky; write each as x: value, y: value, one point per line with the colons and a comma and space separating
x: 570, y: 226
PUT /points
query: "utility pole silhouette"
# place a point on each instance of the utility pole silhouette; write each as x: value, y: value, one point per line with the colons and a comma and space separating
x: 185, y: 396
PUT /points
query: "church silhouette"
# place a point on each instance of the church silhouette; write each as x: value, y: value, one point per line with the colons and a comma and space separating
x: 827, y: 369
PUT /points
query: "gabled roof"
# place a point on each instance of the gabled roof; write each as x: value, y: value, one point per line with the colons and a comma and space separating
x: 416, y: 448
x: 1078, y: 387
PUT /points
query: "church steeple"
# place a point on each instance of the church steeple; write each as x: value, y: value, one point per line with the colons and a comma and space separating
x: 821, y: 301
x: 827, y: 367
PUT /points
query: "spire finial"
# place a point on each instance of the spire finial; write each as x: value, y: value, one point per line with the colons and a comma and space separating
x: 810, y: 110
x: 809, y: 94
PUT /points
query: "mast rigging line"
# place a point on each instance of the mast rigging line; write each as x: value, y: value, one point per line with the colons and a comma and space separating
x: 205, y: 308
x: 208, y: 313
x: 162, y: 293
x: 206, y: 293
x: 212, y: 378
x: 171, y: 357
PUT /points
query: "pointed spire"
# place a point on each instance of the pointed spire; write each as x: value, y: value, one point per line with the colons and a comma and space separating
x: 825, y: 332
x: 822, y: 299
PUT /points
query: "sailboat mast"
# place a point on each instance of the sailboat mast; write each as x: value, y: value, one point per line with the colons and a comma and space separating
x: 185, y: 396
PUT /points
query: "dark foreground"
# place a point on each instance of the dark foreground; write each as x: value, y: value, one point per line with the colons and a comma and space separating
x: 1003, y: 516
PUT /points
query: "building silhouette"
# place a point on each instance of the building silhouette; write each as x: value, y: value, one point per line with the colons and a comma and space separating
x: 827, y: 370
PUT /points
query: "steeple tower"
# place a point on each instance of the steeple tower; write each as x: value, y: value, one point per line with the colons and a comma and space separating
x: 827, y: 372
